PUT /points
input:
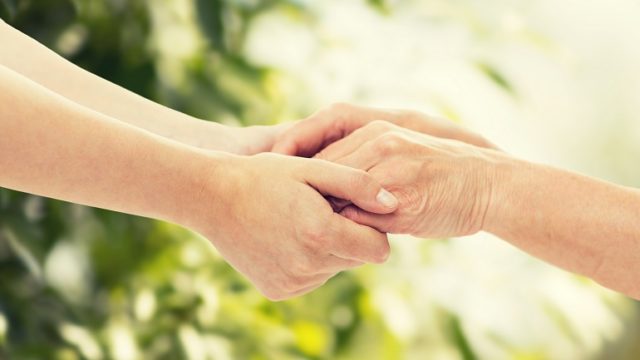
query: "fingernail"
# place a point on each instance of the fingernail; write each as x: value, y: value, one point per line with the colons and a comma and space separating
x: 387, y: 199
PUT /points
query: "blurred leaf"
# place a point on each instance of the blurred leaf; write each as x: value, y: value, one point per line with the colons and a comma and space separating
x: 22, y: 253
x: 562, y: 322
x: 460, y: 339
x: 7, y: 9
x: 497, y: 77
x: 381, y: 6
x: 210, y: 15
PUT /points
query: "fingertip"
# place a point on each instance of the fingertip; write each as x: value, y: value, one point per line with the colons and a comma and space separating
x: 387, y: 200
x: 381, y: 250
x: 368, y: 194
x: 384, y: 251
x: 350, y: 212
x: 384, y: 203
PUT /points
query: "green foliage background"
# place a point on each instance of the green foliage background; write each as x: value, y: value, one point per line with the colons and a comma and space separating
x: 197, y: 298
x: 152, y: 290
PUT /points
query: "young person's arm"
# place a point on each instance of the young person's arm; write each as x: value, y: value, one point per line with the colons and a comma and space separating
x: 40, y: 64
x: 264, y: 213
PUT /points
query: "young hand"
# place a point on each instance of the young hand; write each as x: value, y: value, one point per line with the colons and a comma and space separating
x: 267, y: 216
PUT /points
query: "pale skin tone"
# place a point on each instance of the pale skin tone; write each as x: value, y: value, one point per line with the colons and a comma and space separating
x: 73, y: 136
x: 287, y: 243
x: 40, y: 64
x: 92, y: 149
x: 453, y: 188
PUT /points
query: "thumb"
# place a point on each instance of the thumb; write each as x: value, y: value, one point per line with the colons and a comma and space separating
x: 350, y: 184
x: 307, y: 137
x: 303, y: 139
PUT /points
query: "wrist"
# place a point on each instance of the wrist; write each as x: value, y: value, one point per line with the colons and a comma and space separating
x: 203, y: 187
x: 203, y: 134
x: 507, y: 178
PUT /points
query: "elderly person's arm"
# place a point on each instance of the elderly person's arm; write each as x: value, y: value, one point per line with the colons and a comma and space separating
x: 450, y: 188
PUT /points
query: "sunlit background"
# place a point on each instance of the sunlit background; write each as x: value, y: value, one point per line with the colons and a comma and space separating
x: 551, y: 81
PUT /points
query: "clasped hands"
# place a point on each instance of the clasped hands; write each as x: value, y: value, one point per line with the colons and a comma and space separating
x: 321, y: 194
x: 335, y: 184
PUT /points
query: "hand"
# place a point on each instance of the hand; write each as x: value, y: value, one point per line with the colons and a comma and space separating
x: 212, y: 136
x: 267, y: 216
x: 257, y: 139
x: 444, y: 186
x: 311, y: 135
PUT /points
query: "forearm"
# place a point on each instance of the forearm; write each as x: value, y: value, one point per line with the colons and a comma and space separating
x: 33, y: 60
x: 53, y: 147
x: 581, y: 224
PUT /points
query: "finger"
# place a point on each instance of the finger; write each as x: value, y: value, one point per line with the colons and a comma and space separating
x: 309, y: 136
x: 350, y: 184
x: 363, y: 158
x: 383, y: 223
x: 358, y: 242
x: 342, y: 147
x: 353, y: 142
x: 337, y: 204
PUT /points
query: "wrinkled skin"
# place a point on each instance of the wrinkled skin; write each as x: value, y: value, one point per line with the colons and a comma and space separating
x: 443, y: 186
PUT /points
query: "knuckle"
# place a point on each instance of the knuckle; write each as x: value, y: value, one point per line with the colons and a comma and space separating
x: 389, y: 143
x: 314, y: 235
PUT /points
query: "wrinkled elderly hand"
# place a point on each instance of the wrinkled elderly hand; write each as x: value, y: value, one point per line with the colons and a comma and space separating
x: 444, y: 186
x: 449, y: 188
x: 267, y: 216
x: 311, y: 135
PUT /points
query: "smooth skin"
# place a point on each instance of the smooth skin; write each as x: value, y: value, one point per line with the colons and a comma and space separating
x: 452, y: 188
x: 40, y: 64
x: 266, y: 213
